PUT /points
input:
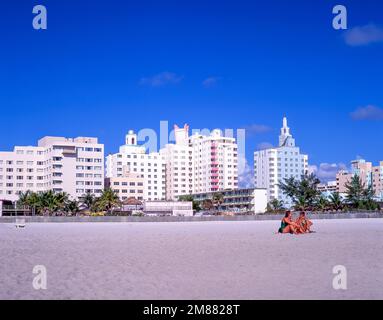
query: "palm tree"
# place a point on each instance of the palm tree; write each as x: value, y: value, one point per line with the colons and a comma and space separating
x: 108, y: 200
x: 355, y: 192
x: 88, y: 200
x: 322, y: 204
x: 24, y: 198
x: 275, y: 206
x: 62, y: 199
x: 207, y: 204
x: 218, y: 200
x: 72, y: 207
x: 48, y: 202
x: 303, y: 193
x: 300, y: 203
x: 190, y: 198
x: 336, y: 201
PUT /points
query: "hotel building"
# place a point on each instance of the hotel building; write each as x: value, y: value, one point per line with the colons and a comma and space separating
x: 133, y: 159
x: 179, y: 165
x: 215, y: 162
x: 129, y: 185
x: 74, y: 166
x: 191, y: 165
x: 369, y: 175
x: 200, y: 163
x: 272, y: 166
x: 240, y: 200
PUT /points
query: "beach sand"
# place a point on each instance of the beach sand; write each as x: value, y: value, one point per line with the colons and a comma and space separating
x: 212, y: 260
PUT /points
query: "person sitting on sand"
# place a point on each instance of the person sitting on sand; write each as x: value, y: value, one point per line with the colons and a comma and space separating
x: 288, y: 225
x: 304, y: 223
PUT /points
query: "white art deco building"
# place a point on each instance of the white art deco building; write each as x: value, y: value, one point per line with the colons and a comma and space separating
x: 133, y: 159
x: 75, y: 166
x: 179, y: 165
x: 200, y: 163
x: 215, y: 162
x: 195, y: 164
x: 274, y: 165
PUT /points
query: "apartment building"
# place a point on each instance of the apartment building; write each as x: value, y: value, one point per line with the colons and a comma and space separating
x: 272, y: 166
x: 328, y: 188
x: 215, y: 162
x: 239, y: 200
x: 200, y: 163
x: 129, y: 185
x: 179, y: 165
x: 75, y: 166
x: 369, y: 175
x: 134, y: 159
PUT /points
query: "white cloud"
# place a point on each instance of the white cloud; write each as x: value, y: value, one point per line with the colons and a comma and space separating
x: 363, y: 35
x: 245, y: 173
x: 210, y: 82
x: 327, y: 171
x: 368, y: 113
x: 255, y: 129
x: 161, y: 79
x: 265, y: 145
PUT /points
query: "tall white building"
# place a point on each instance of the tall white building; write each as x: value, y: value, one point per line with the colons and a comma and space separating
x: 215, y: 162
x: 196, y: 164
x: 179, y: 165
x: 133, y: 158
x: 75, y: 166
x: 274, y: 165
x: 200, y: 163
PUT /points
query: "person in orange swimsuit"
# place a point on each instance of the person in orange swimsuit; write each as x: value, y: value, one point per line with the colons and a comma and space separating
x: 304, y: 223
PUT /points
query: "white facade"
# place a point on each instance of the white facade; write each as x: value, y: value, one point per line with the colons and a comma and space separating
x: 272, y: 166
x: 129, y: 185
x: 215, y: 162
x: 192, y: 165
x: 74, y: 166
x: 260, y: 201
x: 200, y: 163
x: 179, y: 165
x: 180, y: 209
x: 134, y: 159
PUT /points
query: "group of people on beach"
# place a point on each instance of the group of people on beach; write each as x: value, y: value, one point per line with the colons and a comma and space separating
x: 300, y: 226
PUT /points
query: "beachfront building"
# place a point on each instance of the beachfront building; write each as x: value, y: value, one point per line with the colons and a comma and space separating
x: 168, y: 208
x: 328, y: 188
x: 74, y: 166
x: 369, y: 175
x: 179, y: 164
x: 193, y: 164
x: 215, y: 162
x: 252, y: 201
x: 133, y: 159
x: 129, y: 185
x: 200, y: 163
x: 274, y: 165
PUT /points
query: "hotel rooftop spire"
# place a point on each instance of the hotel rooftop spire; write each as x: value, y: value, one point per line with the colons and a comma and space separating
x: 286, y: 139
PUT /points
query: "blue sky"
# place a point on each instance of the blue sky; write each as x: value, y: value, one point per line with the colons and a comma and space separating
x: 103, y: 67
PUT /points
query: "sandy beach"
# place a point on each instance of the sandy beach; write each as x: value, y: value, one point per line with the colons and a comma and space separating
x: 211, y: 260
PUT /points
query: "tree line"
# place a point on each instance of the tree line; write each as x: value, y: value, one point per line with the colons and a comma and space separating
x: 305, y: 196
x: 51, y: 203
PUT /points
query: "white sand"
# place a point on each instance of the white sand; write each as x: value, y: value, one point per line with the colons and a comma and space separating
x: 213, y: 260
